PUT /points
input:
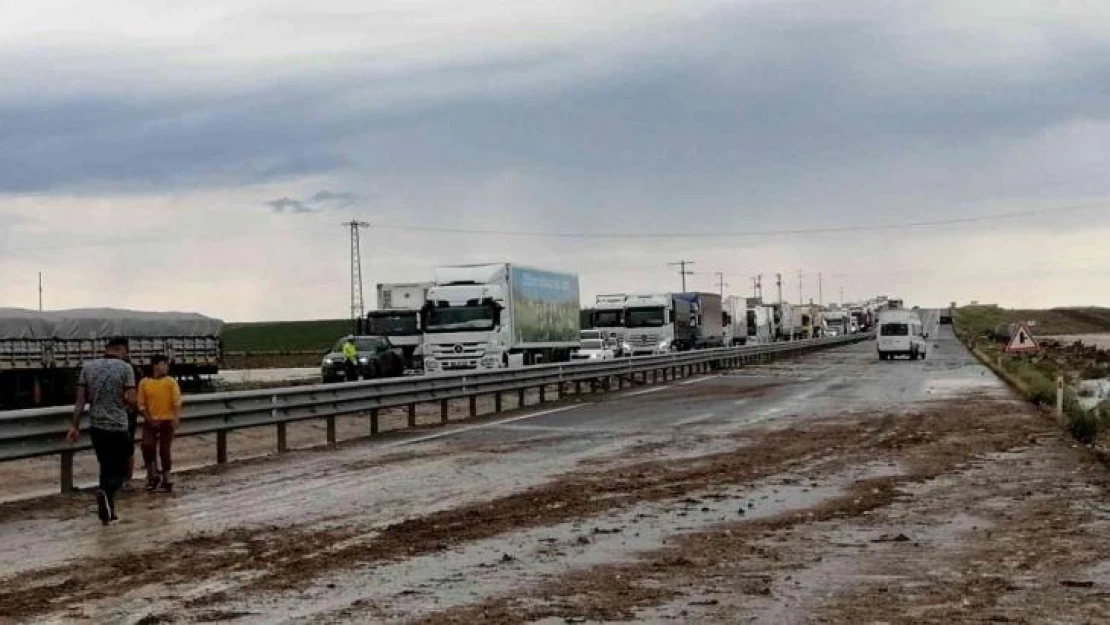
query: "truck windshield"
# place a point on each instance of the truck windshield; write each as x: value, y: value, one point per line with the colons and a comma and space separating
x: 460, y: 318
x: 646, y: 317
x: 591, y: 344
x: 895, y: 329
x: 608, y: 319
x: 393, y: 324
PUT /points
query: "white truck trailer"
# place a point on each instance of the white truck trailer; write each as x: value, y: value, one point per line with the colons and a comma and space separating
x: 483, y: 317
x: 735, y: 320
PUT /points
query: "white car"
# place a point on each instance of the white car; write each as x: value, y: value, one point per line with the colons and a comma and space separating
x: 901, y: 334
x: 594, y: 349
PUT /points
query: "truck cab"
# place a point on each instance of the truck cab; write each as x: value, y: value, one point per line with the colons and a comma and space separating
x: 656, y: 324
x: 608, y: 317
x: 463, y: 328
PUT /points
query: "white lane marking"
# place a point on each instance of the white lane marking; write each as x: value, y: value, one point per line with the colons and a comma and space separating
x: 695, y: 419
x: 699, y: 380
x: 646, y: 391
x: 472, y: 428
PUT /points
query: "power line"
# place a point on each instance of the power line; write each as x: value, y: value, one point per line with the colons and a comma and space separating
x: 754, y: 233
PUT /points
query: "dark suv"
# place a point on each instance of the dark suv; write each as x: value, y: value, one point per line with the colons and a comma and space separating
x: 376, y: 359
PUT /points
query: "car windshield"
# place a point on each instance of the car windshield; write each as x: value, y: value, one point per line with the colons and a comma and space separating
x: 895, y: 329
x: 458, y: 318
x: 608, y: 318
x: 646, y: 317
x: 393, y: 324
x: 592, y: 344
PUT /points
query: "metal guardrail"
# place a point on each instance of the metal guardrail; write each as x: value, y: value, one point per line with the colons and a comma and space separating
x: 41, y: 432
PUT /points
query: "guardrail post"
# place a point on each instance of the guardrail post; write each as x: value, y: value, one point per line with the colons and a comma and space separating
x: 562, y: 390
x: 66, y: 481
x: 521, y: 398
x: 331, y: 430
x: 221, y: 447
x: 282, y: 442
x: 593, y: 386
x: 444, y: 410
x: 375, y: 413
x: 578, y: 387
x: 497, y: 402
x: 473, y: 405
x: 412, y: 415
x: 543, y: 393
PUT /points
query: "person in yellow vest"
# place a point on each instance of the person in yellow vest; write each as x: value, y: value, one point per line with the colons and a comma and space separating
x: 159, y: 400
x: 350, y: 359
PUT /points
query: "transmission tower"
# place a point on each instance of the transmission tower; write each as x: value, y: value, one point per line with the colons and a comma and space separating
x: 358, y: 306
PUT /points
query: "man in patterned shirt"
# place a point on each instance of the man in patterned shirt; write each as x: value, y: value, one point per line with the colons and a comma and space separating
x: 108, y: 386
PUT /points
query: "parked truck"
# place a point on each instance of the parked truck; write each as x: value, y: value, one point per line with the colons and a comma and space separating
x: 41, y: 352
x: 735, y: 320
x: 398, y: 319
x: 499, y: 315
x: 608, y: 316
x: 670, y: 322
x: 760, y: 323
x: 838, y: 322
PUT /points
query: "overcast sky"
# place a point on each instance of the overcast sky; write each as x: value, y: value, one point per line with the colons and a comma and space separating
x: 168, y: 155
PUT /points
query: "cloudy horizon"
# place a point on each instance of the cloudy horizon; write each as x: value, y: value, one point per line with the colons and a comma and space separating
x: 203, y: 158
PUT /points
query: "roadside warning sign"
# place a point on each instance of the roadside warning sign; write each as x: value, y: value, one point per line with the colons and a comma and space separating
x: 1022, y: 340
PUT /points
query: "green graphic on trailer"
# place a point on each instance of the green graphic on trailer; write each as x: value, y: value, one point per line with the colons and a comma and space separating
x: 546, y: 307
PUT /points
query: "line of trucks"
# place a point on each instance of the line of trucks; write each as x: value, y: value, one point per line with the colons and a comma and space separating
x: 469, y: 318
x: 494, y: 316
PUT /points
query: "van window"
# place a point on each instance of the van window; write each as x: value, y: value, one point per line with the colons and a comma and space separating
x: 895, y: 329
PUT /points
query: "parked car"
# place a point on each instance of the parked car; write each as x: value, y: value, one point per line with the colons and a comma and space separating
x: 376, y: 358
x: 594, y: 349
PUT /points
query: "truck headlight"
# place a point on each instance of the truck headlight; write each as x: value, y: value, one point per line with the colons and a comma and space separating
x: 490, y: 362
x: 363, y: 360
x: 431, y: 363
x: 664, y: 344
x: 626, y: 347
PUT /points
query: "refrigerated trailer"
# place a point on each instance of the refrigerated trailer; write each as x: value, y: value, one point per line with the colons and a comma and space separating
x: 41, y: 352
x: 499, y: 315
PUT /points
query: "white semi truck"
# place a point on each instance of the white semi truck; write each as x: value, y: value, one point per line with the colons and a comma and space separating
x: 483, y: 317
x: 735, y: 320
x: 660, y: 323
x: 608, y: 317
x: 760, y: 323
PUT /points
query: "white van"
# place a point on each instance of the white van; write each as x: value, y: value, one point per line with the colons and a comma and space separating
x: 901, y: 334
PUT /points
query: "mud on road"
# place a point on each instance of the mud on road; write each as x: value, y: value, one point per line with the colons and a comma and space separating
x: 932, y: 496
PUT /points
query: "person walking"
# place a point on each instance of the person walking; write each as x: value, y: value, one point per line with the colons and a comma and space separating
x: 107, y: 385
x: 160, y: 404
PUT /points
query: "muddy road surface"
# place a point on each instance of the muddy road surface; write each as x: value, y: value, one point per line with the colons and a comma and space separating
x: 827, y: 489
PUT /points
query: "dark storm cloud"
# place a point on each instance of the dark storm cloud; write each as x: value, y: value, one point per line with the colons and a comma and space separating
x: 754, y: 120
x: 319, y: 201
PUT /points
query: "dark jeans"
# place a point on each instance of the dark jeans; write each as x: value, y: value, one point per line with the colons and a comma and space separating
x: 157, y: 441
x: 113, y: 452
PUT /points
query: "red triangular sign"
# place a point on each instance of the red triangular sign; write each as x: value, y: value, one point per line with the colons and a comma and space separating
x: 1022, y: 340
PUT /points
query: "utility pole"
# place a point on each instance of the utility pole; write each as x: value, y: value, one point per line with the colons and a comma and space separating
x: 358, y: 306
x: 820, y: 289
x: 778, y: 282
x: 842, y: 296
x: 759, y: 287
x: 682, y: 270
x: 721, y: 284
x: 40, y: 291
x: 800, y: 299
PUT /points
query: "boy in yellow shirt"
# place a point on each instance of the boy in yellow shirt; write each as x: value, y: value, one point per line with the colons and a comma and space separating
x: 159, y: 399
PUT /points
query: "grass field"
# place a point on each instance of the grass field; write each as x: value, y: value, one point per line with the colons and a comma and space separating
x: 986, y: 319
x: 284, y: 336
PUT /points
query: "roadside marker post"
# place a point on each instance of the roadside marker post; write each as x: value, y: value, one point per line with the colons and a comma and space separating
x: 1060, y: 398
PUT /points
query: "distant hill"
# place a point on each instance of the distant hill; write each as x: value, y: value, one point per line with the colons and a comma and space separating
x: 284, y: 336
x: 1070, y: 320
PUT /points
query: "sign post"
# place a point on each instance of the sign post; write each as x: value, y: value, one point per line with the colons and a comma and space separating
x: 1060, y: 398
